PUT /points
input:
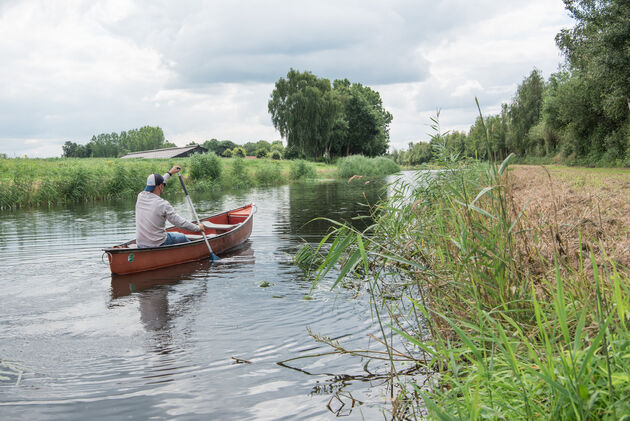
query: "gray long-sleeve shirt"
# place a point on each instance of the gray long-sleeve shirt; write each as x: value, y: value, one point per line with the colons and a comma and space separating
x: 152, y: 212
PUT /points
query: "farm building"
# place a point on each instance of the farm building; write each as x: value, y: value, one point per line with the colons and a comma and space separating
x: 168, y: 152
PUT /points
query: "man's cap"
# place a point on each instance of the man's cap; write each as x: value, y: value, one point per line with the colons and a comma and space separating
x: 153, y: 181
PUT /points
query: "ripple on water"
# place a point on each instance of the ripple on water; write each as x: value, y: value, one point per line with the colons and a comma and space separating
x: 200, y: 339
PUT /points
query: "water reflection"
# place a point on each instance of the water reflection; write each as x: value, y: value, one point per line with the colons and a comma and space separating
x: 333, y: 200
x: 123, y: 285
x: 162, y: 344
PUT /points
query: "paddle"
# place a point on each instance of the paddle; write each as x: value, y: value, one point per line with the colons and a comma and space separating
x: 213, y: 257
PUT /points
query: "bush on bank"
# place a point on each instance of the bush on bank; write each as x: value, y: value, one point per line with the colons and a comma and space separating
x: 363, y: 166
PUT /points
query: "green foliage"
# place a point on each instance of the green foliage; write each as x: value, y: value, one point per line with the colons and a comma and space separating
x: 262, y: 153
x: 490, y: 346
x: 205, y: 167
x: 239, y: 178
x: 494, y: 339
x: 275, y: 154
x: 363, y: 166
x: 219, y: 147
x: 114, y: 144
x: 524, y: 113
x: 227, y: 153
x: 268, y: 174
x: 418, y: 153
x: 301, y: 170
x: 239, y: 151
x: 323, y: 121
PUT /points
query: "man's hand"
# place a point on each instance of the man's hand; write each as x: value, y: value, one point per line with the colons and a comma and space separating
x: 201, y: 227
x: 175, y: 169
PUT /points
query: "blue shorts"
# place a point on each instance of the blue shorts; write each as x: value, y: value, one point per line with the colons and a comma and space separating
x: 175, y: 238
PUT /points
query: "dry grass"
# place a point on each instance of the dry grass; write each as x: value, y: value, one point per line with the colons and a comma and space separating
x: 567, y: 203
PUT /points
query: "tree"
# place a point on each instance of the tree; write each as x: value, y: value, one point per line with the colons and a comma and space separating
x: 366, y: 122
x: 300, y: 108
x: 318, y: 120
x: 597, y: 50
x: 524, y: 113
x: 238, y: 151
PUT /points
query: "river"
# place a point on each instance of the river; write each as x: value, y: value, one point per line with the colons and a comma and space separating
x: 196, y: 341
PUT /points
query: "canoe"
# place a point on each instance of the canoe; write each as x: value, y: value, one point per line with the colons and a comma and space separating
x: 123, y: 285
x: 225, y: 231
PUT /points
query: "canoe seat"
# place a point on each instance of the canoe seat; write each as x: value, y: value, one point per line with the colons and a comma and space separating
x: 194, y: 237
x: 212, y: 225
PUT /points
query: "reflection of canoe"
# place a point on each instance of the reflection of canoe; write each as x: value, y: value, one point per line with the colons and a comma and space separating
x: 123, y: 285
x: 225, y: 231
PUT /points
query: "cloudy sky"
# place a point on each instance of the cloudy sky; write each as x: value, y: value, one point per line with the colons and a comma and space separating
x: 205, y: 69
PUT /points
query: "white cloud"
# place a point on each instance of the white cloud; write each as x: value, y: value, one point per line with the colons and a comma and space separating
x: 202, y: 69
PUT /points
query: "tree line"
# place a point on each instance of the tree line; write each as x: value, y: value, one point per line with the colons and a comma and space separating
x: 581, y: 114
x: 260, y: 149
x: 112, y: 145
x: 320, y: 120
x: 118, y: 144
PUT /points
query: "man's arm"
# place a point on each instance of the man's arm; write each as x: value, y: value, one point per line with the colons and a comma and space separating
x: 178, y: 221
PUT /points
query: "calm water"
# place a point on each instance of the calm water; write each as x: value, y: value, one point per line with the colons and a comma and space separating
x: 189, y: 342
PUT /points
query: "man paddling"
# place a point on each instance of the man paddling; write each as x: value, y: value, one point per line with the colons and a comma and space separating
x: 152, y: 212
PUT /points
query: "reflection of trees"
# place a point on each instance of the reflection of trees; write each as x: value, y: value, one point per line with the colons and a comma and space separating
x: 339, y: 201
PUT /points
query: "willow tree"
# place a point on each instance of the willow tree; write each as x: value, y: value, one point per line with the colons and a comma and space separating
x: 304, y: 109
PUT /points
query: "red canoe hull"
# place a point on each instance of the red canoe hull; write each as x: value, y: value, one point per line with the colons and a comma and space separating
x: 127, y: 258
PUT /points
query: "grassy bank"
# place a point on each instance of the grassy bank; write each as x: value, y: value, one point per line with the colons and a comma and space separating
x: 46, y: 182
x: 519, y: 290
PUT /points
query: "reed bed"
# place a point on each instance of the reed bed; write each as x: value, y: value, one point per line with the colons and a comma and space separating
x: 516, y: 311
x: 358, y: 165
x: 59, y: 181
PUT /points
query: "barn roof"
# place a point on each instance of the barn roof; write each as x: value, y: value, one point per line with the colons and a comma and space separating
x: 167, y: 152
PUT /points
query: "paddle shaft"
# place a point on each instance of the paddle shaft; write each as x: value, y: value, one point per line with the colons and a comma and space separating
x: 192, y: 207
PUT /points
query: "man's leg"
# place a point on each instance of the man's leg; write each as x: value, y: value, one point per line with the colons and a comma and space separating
x: 175, y: 238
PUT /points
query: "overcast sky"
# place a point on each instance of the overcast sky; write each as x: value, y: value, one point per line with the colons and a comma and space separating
x: 205, y: 69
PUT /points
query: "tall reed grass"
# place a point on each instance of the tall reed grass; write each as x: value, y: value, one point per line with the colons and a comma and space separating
x: 491, y: 334
x: 58, y: 181
x: 359, y: 165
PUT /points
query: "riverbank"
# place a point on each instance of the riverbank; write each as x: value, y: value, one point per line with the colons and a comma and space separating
x: 46, y: 182
x: 519, y: 288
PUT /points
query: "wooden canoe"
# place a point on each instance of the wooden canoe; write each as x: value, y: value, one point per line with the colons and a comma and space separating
x: 225, y: 231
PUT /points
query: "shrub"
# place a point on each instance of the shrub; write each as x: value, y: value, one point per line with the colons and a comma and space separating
x: 371, y: 167
x: 276, y: 154
x: 227, y: 153
x: 205, y: 166
x: 301, y: 169
x: 268, y: 174
x: 238, y: 176
x: 239, y: 151
x: 262, y: 153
